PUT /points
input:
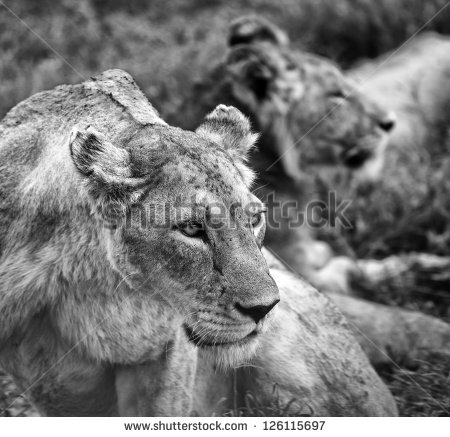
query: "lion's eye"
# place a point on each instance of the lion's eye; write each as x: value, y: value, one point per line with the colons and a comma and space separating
x: 191, y: 229
x: 256, y: 219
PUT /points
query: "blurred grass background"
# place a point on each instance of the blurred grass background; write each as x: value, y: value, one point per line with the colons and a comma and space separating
x: 168, y: 45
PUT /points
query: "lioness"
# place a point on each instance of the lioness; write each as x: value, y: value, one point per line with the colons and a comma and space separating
x: 106, y: 298
x: 307, y: 112
x: 124, y: 293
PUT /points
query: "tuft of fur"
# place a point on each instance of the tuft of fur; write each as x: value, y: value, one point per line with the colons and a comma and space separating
x: 250, y: 29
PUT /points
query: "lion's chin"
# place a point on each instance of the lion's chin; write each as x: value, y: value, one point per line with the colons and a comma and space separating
x: 231, y: 355
x: 367, y: 162
x: 356, y: 157
x: 226, y: 353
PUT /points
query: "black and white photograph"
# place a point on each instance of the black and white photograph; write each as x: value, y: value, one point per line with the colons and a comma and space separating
x: 224, y: 209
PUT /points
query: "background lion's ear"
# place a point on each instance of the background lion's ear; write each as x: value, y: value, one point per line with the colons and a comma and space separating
x: 249, y: 72
x: 229, y: 128
x: 250, y: 29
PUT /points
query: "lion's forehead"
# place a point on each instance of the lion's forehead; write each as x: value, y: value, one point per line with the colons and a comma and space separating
x: 325, y: 78
x: 322, y: 73
x: 314, y: 71
x: 202, y: 186
x: 184, y: 162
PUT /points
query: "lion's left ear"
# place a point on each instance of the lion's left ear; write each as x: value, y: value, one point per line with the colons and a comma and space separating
x: 229, y: 128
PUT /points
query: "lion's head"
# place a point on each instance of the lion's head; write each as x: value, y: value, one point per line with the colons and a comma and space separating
x: 306, y: 109
x: 130, y: 234
x: 183, y: 223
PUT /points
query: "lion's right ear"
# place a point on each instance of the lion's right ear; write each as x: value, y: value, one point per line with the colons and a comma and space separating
x: 250, y: 29
x: 97, y: 158
x: 249, y: 72
x: 230, y: 129
x: 107, y: 168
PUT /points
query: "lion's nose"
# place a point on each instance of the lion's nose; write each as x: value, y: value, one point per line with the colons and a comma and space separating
x: 256, y: 312
x: 388, y: 122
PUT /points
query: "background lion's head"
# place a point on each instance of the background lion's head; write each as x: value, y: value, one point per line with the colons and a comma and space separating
x: 306, y: 109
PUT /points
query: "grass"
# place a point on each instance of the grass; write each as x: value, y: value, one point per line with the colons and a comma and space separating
x: 423, y: 391
x: 167, y: 45
x: 255, y: 407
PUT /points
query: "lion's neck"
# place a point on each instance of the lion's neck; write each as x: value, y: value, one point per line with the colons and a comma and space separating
x: 36, y: 276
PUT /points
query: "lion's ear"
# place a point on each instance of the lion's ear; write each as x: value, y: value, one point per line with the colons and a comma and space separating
x: 249, y: 73
x: 106, y: 168
x: 229, y: 128
x: 96, y: 157
x: 250, y: 29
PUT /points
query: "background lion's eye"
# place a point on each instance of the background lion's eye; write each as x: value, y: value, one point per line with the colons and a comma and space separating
x: 191, y: 229
x: 338, y: 94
